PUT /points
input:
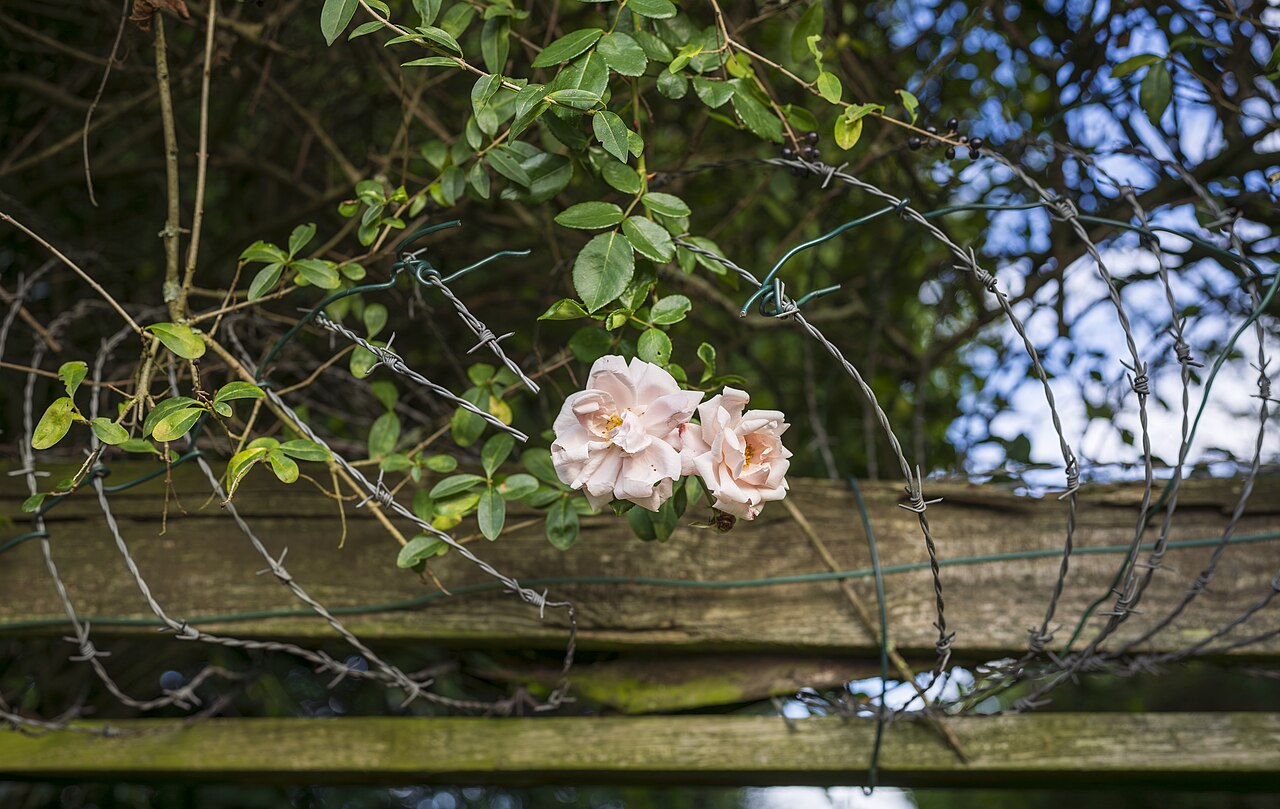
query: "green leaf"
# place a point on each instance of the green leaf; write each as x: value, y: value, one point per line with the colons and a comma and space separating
x: 562, y: 525
x: 518, y: 485
x: 672, y: 85
x: 654, y: 346
x: 457, y: 505
x: 567, y: 47
x: 72, y: 374
x: 909, y: 103
x: 108, y: 431
x: 164, y: 408
x: 239, y: 466
x: 508, y: 166
x: 465, y: 426
x: 538, y: 461
x: 588, y: 72
x: 454, y: 484
x: 1155, y: 92
x: 495, y: 43
x: 611, y: 132
x: 323, y: 274
x: 428, y: 10
x: 492, y: 513
x: 433, y: 61
x: 1133, y: 63
x: 483, y: 90
x: 649, y: 239
x: 623, y: 54
x: 810, y: 24
x: 32, y: 504
x: 237, y: 390
x: 686, y: 53
x: 621, y: 177
x: 665, y: 204
x: 176, y: 424
x: 443, y: 464
x: 305, y: 450
x: 457, y: 18
x: 577, y: 99
x: 755, y: 115
x: 589, y: 344
x: 375, y: 318
x: 419, y: 549
x: 495, y: 451
x: 300, y: 238
x: 54, y: 424
x: 653, y: 9
x: 670, y: 309
x: 181, y: 340
x: 384, y: 434
x: 265, y: 280
x: 564, y: 309
x: 847, y: 132
x: 590, y: 215
x: 707, y: 353
x: 602, y: 269
x: 264, y: 251
x: 139, y: 445
x: 335, y: 16
x: 712, y: 93
x: 441, y: 37
x: 829, y: 87
x: 285, y: 467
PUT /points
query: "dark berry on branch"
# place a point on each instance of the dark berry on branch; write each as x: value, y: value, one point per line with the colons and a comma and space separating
x: 973, y: 153
x: 913, y: 143
x: 976, y: 143
x: 813, y: 138
x: 788, y: 152
x: 951, y: 153
x: 932, y: 130
x: 953, y: 125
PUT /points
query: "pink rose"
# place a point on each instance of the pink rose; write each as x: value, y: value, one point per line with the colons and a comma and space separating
x: 738, y: 455
x: 619, y: 438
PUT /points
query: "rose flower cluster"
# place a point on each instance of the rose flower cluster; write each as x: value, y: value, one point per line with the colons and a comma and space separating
x: 630, y: 435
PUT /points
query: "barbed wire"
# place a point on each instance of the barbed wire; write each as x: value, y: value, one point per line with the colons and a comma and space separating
x: 1046, y: 667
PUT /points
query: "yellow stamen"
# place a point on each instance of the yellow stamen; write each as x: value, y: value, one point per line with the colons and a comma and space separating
x: 614, y: 422
x: 746, y: 456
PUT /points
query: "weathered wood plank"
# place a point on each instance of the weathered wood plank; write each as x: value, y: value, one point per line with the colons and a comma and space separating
x: 1239, y: 750
x: 202, y: 569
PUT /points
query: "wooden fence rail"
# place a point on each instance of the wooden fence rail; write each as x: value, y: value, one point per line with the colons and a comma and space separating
x: 1235, y: 751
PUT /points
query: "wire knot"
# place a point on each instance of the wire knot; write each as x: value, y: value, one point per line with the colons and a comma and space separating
x: 1183, y: 352
x: 1062, y: 209
x: 986, y: 279
x: 1140, y: 381
x: 832, y: 171
x: 486, y: 337
x: 278, y: 570
x: 380, y: 494
x: 1038, y: 641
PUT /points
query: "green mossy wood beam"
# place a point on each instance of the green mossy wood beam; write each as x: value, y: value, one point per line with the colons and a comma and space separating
x: 202, y: 570
x: 1238, y: 750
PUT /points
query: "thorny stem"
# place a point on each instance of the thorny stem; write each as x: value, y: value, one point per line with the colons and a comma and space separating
x: 172, y: 284
x: 202, y: 160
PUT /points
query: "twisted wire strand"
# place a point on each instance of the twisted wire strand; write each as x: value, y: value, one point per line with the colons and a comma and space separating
x: 396, y: 364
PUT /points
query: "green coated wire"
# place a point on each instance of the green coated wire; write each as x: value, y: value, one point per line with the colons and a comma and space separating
x: 874, y: 552
x: 647, y: 581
